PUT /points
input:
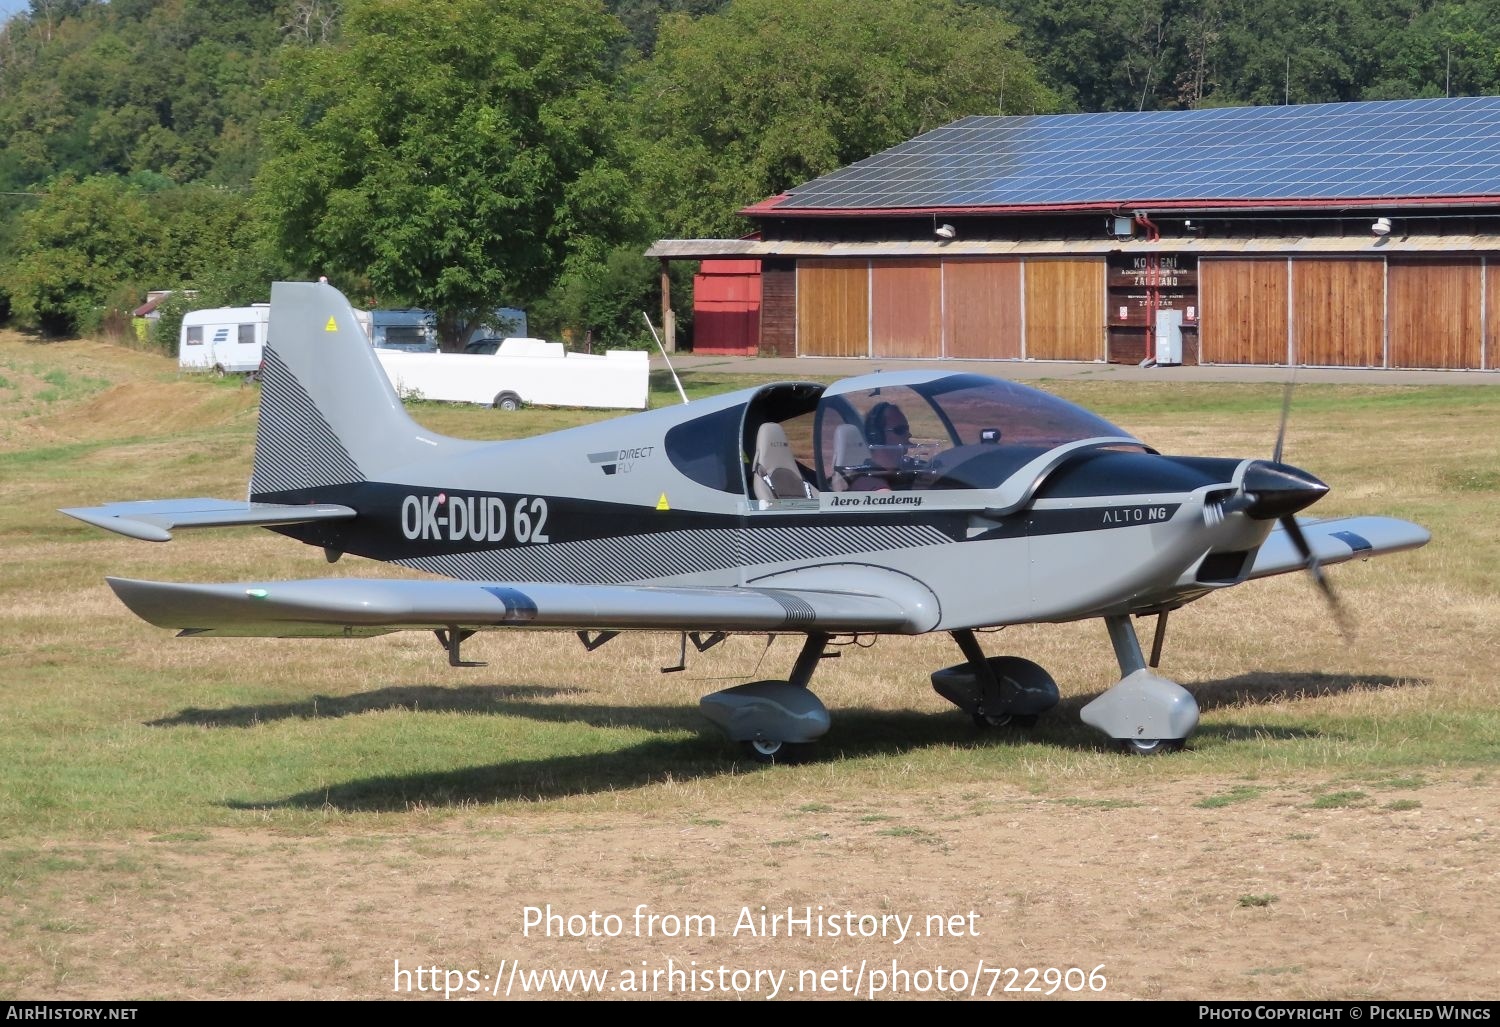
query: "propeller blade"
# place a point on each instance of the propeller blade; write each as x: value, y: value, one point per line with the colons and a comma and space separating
x: 1340, y: 615
x: 1286, y: 412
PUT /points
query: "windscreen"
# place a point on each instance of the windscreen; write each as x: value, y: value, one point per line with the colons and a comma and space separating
x: 958, y: 431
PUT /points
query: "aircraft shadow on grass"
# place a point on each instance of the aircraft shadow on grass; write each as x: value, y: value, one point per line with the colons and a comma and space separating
x: 863, y: 733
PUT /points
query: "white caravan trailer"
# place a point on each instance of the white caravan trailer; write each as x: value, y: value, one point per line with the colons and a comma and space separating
x: 230, y: 340
x: 226, y: 340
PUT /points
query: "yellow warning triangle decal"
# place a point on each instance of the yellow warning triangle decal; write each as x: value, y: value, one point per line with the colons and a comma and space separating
x: 662, y: 504
x: 331, y: 326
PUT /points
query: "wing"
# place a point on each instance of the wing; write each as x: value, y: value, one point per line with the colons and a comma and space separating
x: 152, y: 519
x: 1334, y: 541
x: 353, y: 607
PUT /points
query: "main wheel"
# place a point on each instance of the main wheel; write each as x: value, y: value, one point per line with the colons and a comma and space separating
x: 993, y: 720
x: 1150, y: 746
x: 769, y: 751
x: 507, y: 401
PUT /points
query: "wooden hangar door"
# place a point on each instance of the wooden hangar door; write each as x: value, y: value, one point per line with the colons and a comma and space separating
x: 833, y: 308
x: 982, y: 309
x: 1064, y: 310
x: 1338, y: 312
x: 1434, y: 313
x: 1244, y: 315
x: 906, y: 307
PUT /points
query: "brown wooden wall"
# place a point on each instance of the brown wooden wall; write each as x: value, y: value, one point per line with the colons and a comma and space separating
x: 906, y: 308
x: 778, y: 308
x: 1338, y: 312
x: 982, y: 309
x: 1433, y: 313
x: 1492, y: 314
x: 1244, y: 316
x: 1065, y: 309
x: 833, y: 308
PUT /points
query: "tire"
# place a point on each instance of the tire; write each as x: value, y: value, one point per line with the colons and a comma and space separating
x: 507, y: 401
x: 985, y: 721
x: 1150, y: 746
x: 769, y: 752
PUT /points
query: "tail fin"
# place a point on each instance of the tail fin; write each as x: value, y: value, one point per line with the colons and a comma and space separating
x: 328, y: 413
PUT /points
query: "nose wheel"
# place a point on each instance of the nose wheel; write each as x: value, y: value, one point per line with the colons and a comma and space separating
x: 1151, y: 746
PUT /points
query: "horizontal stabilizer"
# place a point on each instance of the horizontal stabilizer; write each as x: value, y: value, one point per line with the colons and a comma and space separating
x: 152, y: 519
x: 347, y: 607
x: 1334, y: 541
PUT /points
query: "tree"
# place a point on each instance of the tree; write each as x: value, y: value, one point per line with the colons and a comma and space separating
x: 450, y: 156
x: 764, y: 95
x: 80, y: 249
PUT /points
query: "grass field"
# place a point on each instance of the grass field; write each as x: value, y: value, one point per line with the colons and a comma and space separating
x: 170, y: 808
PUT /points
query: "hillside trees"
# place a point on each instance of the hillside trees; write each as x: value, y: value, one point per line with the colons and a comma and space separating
x: 171, y: 88
x: 97, y: 244
x: 742, y: 104
x: 450, y: 156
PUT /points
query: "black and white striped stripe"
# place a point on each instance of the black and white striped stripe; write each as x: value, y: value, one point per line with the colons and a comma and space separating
x: 295, y: 448
x: 670, y: 553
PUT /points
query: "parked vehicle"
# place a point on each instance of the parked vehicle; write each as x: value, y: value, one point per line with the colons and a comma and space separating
x: 225, y: 340
x: 409, y: 329
x: 231, y: 340
x: 523, y: 371
x: 507, y: 323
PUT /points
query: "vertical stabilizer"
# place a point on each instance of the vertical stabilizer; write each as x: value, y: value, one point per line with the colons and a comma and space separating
x: 328, y: 413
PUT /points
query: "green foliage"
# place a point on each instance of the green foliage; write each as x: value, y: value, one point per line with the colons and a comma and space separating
x: 1159, y: 54
x: 743, y: 104
x: 640, y: 17
x: 604, y: 302
x: 442, y: 166
x: 173, y: 88
x: 93, y: 247
x: 79, y: 247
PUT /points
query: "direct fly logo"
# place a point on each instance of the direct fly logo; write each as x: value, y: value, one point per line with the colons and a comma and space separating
x: 620, y: 461
x: 442, y: 517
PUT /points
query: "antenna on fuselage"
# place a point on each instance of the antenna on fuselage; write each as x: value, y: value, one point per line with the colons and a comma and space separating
x: 663, y: 349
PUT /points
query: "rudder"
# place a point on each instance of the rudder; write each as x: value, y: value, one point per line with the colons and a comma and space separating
x: 328, y: 414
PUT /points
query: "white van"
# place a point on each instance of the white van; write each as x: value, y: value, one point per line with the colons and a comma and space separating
x: 225, y: 340
x: 231, y: 340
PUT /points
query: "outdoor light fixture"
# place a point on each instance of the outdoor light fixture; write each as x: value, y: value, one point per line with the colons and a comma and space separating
x: 944, y: 232
x: 1382, y: 226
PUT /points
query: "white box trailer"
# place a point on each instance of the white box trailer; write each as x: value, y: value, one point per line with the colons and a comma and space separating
x: 230, y: 340
x: 523, y: 371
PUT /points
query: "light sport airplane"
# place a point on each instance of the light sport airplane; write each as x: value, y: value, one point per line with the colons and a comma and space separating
x: 891, y: 503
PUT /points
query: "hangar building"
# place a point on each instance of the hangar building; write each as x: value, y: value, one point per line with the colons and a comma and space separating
x: 1334, y: 235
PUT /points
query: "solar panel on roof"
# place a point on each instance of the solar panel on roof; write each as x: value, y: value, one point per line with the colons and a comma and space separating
x: 1369, y: 150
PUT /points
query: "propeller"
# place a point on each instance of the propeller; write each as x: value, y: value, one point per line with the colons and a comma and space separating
x: 1293, y: 530
x: 1340, y: 615
x: 1273, y: 490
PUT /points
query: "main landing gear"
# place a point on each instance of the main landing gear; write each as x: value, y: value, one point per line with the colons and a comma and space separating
x: 776, y: 721
x: 997, y: 691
